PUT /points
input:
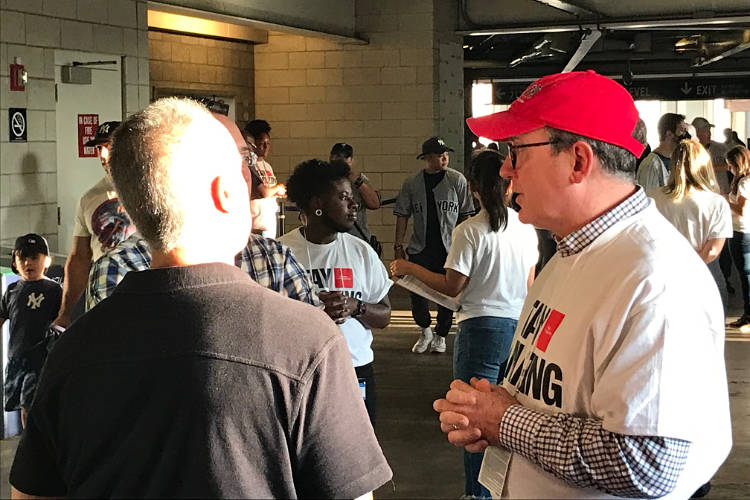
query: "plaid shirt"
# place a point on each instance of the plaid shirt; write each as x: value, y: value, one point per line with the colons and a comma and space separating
x: 272, y: 265
x: 131, y: 254
x: 577, y: 449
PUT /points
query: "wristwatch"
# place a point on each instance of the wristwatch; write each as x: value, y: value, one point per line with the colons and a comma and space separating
x: 361, y: 179
x: 360, y: 310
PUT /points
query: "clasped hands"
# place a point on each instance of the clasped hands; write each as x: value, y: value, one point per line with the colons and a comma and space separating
x: 338, y: 306
x: 470, y: 415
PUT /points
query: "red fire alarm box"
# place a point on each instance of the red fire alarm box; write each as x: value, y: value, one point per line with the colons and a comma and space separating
x: 17, y: 77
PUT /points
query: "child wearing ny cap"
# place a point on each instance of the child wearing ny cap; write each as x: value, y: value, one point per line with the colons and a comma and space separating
x: 30, y: 304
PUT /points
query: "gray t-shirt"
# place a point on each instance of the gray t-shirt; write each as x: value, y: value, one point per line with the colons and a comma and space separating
x: 452, y: 198
x: 196, y: 381
x: 653, y: 171
x: 718, y: 152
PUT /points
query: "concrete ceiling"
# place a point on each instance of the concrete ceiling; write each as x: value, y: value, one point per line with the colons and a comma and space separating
x: 525, y: 39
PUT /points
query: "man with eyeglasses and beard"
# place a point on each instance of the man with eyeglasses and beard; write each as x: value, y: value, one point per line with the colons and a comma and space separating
x: 653, y: 171
x: 616, y: 384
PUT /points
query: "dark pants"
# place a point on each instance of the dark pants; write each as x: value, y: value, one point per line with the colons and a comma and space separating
x: 740, y: 246
x: 725, y: 260
x: 366, y: 374
x: 420, y: 307
x: 715, y: 268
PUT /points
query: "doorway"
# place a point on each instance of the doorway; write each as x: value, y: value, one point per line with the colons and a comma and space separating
x: 101, y: 97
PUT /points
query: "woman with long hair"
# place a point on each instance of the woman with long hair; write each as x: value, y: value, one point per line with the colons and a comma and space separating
x: 691, y: 202
x: 738, y: 160
x: 491, y: 264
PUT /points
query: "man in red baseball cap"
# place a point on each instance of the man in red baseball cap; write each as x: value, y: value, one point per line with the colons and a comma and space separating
x: 599, y: 392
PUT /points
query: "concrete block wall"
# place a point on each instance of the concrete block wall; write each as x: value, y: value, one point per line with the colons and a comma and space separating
x: 383, y: 98
x: 206, y: 65
x: 33, y: 30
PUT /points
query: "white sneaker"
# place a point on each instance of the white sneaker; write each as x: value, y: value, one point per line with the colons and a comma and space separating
x: 425, y: 338
x: 438, y: 344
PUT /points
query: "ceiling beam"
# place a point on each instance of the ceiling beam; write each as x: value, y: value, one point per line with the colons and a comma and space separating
x: 704, y: 23
x: 568, y: 7
x: 253, y: 23
x: 727, y: 53
x: 588, y: 40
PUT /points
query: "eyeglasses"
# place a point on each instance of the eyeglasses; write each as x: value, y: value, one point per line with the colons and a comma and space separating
x: 512, y: 150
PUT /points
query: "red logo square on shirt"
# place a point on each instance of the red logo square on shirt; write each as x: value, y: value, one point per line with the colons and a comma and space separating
x: 550, y: 326
x: 343, y: 277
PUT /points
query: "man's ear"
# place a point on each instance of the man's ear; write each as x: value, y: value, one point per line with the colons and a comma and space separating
x: 47, y: 261
x: 222, y: 194
x: 583, y: 157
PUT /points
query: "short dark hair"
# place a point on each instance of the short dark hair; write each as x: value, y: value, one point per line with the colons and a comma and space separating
x: 342, y: 149
x: 313, y: 178
x: 668, y: 123
x: 614, y: 160
x: 256, y: 128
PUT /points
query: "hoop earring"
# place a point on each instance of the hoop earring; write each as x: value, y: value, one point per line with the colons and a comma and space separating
x: 318, y: 212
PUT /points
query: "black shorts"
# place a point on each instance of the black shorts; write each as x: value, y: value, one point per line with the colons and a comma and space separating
x: 20, y: 383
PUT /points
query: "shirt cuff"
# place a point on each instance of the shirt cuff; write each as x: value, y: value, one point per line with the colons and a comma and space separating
x: 518, y: 429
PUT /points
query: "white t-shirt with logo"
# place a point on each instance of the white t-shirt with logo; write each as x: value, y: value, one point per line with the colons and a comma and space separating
x: 741, y: 223
x: 263, y: 210
x: 100, y: 216
x: 630, y: 330
x: 351, y: 266
x: 497, y: 264
x: 700, y: 216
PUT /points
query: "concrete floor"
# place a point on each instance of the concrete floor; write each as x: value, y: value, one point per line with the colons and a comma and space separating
x: 425, y: 465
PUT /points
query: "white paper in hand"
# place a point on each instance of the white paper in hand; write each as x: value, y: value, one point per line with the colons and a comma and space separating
x: 414, y: 285
x: 493, y: 470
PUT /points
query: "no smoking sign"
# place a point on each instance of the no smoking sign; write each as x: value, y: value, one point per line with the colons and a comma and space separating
x: 17, y: 124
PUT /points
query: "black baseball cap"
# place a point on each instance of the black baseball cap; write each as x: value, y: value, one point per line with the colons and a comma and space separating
x: 434, y: 145
x: 103, y: 133
x: 28, y: 245
x: 342, y: 149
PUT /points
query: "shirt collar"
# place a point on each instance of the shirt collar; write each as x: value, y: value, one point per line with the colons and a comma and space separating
x: 167, y: 279
x: 583, y: 237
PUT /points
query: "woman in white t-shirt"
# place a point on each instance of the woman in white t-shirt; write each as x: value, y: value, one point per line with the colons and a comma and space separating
x: 349, y: 277
x: 690, y: 201
x: 491, y: 264
x: 738, y: 160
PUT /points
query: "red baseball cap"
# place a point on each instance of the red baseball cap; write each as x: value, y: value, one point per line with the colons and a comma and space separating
x: 581, y: 102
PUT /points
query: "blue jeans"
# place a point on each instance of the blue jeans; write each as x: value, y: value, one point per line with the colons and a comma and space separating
x: 740, y: 246
x: 481, y: 350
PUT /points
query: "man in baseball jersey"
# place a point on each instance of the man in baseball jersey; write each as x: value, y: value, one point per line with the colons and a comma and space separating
x: 438, y: 198
x: 616, y: 384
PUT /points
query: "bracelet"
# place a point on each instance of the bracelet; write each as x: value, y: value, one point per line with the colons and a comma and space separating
x: 360, y: 310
